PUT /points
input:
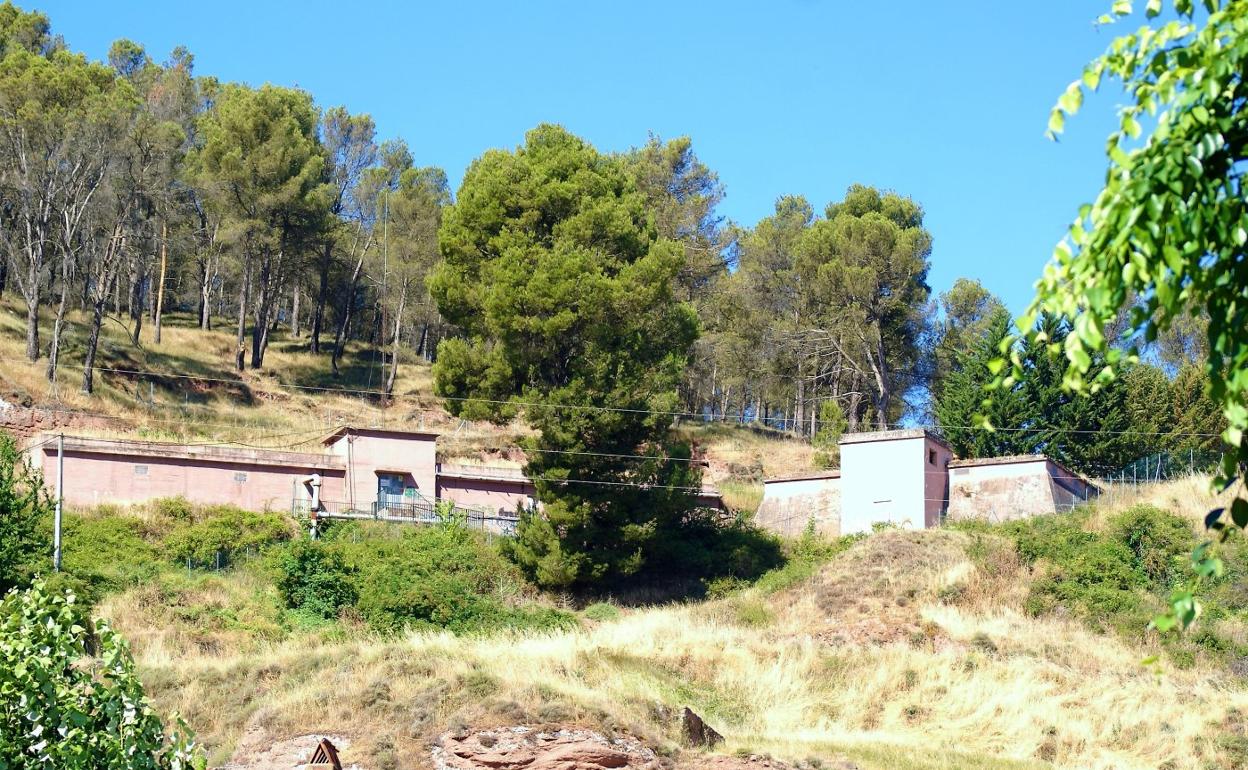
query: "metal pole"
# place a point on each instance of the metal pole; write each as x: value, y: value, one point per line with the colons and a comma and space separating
x: 60, y: 499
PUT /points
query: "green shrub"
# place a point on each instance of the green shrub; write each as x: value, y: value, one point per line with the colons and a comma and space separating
x: 58, y: 713
x: 25, y: 548
x: 105, y: 554
x: 444, y: 576
x: 752, y: 613
x: 314, y: 579
x: 226, y: 529
x: 173, y: 508
x: 1159, y: 540
x: 805, y: 556
x: 602, y: 611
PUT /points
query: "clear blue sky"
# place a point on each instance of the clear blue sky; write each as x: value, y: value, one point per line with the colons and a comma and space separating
x: 943, y: 101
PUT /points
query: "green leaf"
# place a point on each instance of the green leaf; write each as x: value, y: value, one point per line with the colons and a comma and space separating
x: 1057, y: 122
x: 1239, y: 512
x: 1152, y: 9
x: 1071, y: 99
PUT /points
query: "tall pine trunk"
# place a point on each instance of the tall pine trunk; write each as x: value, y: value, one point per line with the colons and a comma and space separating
x: 340, y: 338
x: 294, y: 312
x: 158, y: 310
x: 54, y: 349
x: 322, y: 291
x: 244, y: 295
x: 93, y: 344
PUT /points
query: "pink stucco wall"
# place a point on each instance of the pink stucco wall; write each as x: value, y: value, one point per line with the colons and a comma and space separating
x: 494, y: 492
x: 96, y: 472
x: 367, y: 452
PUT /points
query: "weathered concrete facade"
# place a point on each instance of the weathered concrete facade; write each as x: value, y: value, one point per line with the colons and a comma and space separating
x: 403, y: 462
x: 361, y: 470
x: 910, y: 478
x: 790, y: 503
x: 1005, y: 488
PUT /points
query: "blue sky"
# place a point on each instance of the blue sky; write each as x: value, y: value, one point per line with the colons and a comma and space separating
x: 943, y: 101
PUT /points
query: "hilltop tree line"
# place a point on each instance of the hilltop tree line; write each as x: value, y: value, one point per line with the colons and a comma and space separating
x: 134, y: 187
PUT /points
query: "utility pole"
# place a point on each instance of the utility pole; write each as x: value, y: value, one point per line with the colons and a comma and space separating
x: 60, y: 499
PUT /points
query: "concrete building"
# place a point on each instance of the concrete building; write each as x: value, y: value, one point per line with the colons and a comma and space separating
x: 791, y: 502
x: 910, y: 478
x: 1005, y: 488
x: 389, y: 465
x: 360, y: 473
x: 114, y: 471
x: 896, y: 477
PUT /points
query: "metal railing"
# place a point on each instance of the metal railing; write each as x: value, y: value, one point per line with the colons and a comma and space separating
x: 412, y: 510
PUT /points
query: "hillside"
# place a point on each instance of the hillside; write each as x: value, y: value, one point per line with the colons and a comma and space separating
x: 902, y: 651
x: 186, y: 388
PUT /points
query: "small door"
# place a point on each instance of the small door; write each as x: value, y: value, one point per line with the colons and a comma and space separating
x: 389, y: 487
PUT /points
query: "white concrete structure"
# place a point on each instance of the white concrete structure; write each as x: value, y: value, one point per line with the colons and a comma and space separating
x: 896, y: 477
x: 790, y: 503
x: 910, y: 478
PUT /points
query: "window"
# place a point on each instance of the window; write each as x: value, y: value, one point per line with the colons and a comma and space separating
x: 140, y: 470
x: 931, y: 457
x: 240, y: 478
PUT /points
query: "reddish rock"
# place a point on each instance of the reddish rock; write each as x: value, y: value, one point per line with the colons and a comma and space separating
x: 511, y: 748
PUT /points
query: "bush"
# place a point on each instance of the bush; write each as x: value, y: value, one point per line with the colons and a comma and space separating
x: 1159, y: 540
x: 59, y: 713
x: 444, y: 576
x: 315, y: 579
x: 104, y: 554
x: 602, y: 611
x: 25, y: 547
x: 226, y: 529
x: 1113, y: 578
x: 173, y: 508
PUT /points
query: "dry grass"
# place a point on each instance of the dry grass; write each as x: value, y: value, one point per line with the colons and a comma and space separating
x: 866, y: 661
x: 1190, y: 497
x: 733, y: 450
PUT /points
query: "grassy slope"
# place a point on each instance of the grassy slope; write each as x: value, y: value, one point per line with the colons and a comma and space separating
x: 868, y: 659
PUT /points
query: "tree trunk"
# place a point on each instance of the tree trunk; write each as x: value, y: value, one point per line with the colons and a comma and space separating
x: 136, y: 300
x: 32, y: 328
x: 883, y: 392
x: 158, y: 310
x: 294, y: 312
x: 93, y: 343
x: 205, y: 294
x: 54, y: 349
x: 799, y: 404
x: 394, y: 348
x: 340, y: 337
x: 424, y: 341
x: 318, y: 314
x: 244, y: 295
